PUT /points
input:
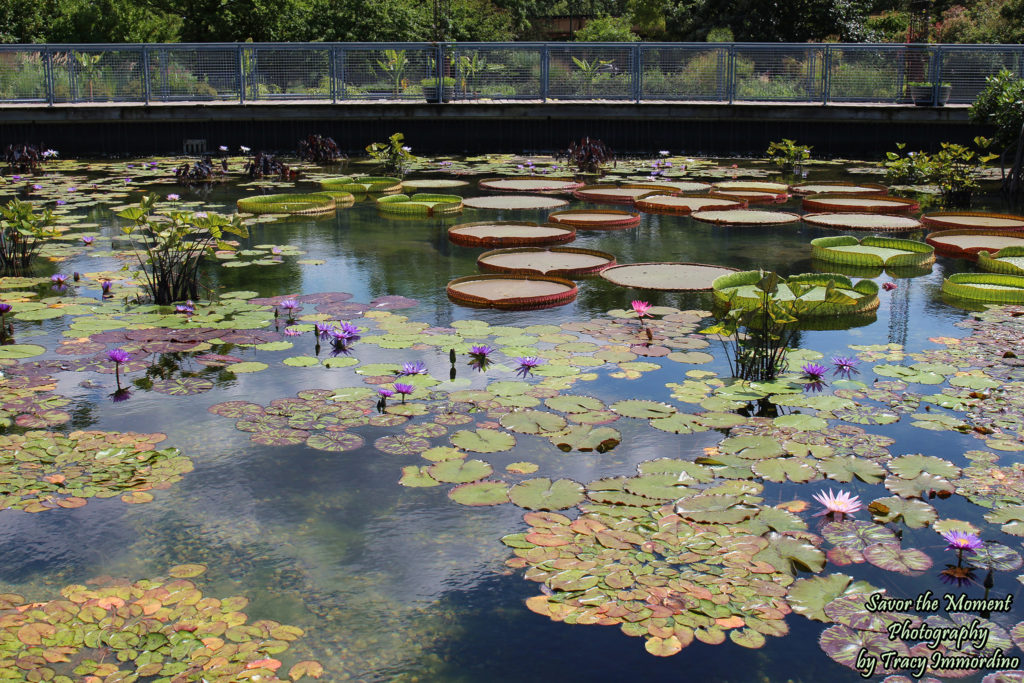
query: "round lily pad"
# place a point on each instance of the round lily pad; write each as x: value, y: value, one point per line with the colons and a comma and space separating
x: 514, y: 202
x: 560, y: 261
x: 665, y: 276
x: 596, y: 219
x: 512, y: 291
x: 509, y: 234
x: 480, y: 493
x: 544, y: 494
x: 745, y: 217
x: 483, y: 440
x: 684, y: 205
x: 862, y: 221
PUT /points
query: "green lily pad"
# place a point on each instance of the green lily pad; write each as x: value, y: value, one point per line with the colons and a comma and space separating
x: 532, y: 422
x: 458, y: 471
x: 892, y: 557
x: 21, y: 351
x: 480, y: 493
x: 544, y: 494
x: 483, y: 440
x: 585, y: 438
x: 642, y: 409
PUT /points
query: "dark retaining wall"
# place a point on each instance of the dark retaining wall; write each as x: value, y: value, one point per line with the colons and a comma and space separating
x: 701, y: 129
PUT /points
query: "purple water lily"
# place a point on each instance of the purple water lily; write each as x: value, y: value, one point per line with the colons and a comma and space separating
x: 386, y: 393
x: 403, y: 389
x: 173, y: 197
x: 118, y: 356
x: 323, y: 330
x: 526, y: 365
x: 813, y: 371
x: 845, y: 366
x: 61, y: 202
x: 5, y: 308
x: 292, y: 332
x: 186, y: 308
x: 88, y: 240
x: 478, y: 356
x: 413, y: 368
x: 342, y: 336
x: 961, y: 541
x: 105, y: 287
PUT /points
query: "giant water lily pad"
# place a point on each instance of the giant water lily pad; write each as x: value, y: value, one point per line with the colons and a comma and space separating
x: 665, y: 276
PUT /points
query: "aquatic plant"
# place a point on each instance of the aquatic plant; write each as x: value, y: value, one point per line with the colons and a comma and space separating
x: 479, y: 357
x: 588, y: 155
x: 641, y: 309
x: 961, y: 541
x: 845, y: 366
x: 787, y: 154
x: 22, y: 233
x: 393, y: 156
x: 837, y: 504
x: 403, y: 389
x: 118, y: 356
x: 170, y: 247
x: 24, y: 158
x: 265, y: 165
x: 319, y: 149
x: 526, y: 365
x: 5, y: 329
x: 413, y: 368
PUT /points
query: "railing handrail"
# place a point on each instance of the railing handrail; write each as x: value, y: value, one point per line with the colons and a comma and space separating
x: 818, y: 73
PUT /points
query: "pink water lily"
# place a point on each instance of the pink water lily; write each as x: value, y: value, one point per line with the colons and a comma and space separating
x: 837, y: 504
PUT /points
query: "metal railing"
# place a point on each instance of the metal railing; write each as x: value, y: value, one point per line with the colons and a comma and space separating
x: 637, y: 72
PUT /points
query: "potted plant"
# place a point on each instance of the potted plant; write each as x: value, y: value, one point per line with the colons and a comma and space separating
x: 430, y: 89
x: 922, y: 93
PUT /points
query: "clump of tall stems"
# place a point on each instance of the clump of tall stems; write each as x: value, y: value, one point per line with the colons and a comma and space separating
x: 22, y: 233
x: 170, y: 246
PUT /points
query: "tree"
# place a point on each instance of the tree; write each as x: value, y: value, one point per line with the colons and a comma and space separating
x: 25, y: 21
x: 769, y: 21
x: 607, y: 30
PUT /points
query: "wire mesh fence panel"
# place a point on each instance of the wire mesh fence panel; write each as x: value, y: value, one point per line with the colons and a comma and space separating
x: 496, y: 73
x: 778, y: 73
x: 965, y: 68
x: 684, y: 73
x: 404, y: 72
x: 590, y: 72
x: 194, y: 73
x: 98, y: 75
x: 275, y: 72
x: 875, y: 73
x: 22, y: 75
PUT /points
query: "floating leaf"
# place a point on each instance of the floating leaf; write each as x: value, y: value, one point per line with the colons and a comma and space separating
x: 532, y: 422
x: 544, y: 494
x: 480, y: 493
x: 892, y: 557
x: 642, y: 409
x: 585, y: 438
x: 483, y: 440
x: 459, y: 471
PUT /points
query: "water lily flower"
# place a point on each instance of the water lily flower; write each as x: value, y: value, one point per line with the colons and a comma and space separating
x: 323, y: 330
x: 479, y: 357
x: 223, y: 148
x: 414, y: 368
x: 406, y: 148
x: 61, y: 202
x: 15, y: 177
x: 72, y: 189
x: 118, y: 356
x: 386, y: 393
x: 5, y: 308
x: 292, y: 332
x: 173, y: 197
x: 403, y: 389
x: 813, y: 371
x: 49, y: 153
x: 88, y: 239
x: 641, y: 309
x: 664, y: 152
x: 845, y: 366
x: 961, y: 541
x: 889, y: 286
x: 201, y: 214
x: 837, y: 504
x: 347, y: 331
x: 105, y: 286
x: 526, y: 365
x: 187, y: 309
x: 127, y: 180
x: 58, y: 280
x: 289, y: 304
x: 37, y: 186
x: 244, y: 149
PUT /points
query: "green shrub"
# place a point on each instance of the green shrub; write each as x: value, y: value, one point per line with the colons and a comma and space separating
x: 1001, y: 104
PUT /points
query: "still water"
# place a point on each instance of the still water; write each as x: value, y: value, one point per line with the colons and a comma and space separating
x: 397, y: 583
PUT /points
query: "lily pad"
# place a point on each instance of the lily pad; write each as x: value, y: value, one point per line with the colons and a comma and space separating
x: 544, y: 494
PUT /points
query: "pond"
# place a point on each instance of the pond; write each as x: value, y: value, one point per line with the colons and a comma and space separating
x: 302, y: 529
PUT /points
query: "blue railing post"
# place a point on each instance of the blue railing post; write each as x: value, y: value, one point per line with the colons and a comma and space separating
x: 936, y: 75
x: 145, y: 73
x: 241, y: 75
x: 545, y: 71
x: 638, y: 71
x: 439, y: 71
x: 731, y: 81
x: 826, y: 75
x: 48, y: 73
x: 341, y: 72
